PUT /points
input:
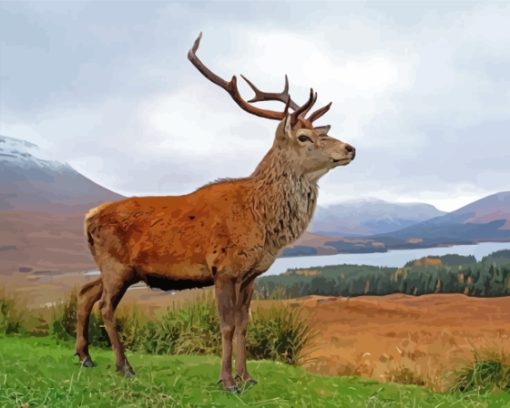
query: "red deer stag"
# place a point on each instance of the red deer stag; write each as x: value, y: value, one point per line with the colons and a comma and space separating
x: 224, y: 234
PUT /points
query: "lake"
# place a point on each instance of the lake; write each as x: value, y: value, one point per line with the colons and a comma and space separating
x: 394, y: 258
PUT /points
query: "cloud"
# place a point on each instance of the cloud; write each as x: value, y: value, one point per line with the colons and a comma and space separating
x: 421, y: 91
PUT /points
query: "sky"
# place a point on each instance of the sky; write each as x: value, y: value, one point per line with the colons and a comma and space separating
x: 421, y: 89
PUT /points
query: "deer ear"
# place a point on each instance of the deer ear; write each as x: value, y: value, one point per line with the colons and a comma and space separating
x: 322, y: 130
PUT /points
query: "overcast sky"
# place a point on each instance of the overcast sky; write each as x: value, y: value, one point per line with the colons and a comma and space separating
x: 421, y: 89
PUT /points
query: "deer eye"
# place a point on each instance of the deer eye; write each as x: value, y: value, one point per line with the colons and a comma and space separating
x: 303, y: 138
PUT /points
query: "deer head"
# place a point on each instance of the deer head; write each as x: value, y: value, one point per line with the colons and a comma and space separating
x: 308, y: 149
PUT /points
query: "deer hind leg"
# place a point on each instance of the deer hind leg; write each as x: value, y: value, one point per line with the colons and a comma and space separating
x: 88, y: 295
x: 241, y: 324
x: 116, y: 279
x: 225, y: 298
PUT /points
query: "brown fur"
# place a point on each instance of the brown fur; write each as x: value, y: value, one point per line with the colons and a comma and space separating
x: 225, y: 233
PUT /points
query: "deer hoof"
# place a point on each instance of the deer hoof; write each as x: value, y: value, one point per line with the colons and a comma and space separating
x: 129, y: 374
x: 87, y: 363
x: 127, y: 371
x: 250, y: 382
x: 232, y: 390
x: 247, y: 382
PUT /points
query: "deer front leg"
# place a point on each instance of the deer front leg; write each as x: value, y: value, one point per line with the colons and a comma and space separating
x: 226, y: 300
x: 241, y: 325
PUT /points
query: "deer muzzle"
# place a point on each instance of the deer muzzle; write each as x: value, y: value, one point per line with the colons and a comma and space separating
x: 346, y: 154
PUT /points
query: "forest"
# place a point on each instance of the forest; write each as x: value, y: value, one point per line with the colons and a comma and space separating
x: 488, y: 277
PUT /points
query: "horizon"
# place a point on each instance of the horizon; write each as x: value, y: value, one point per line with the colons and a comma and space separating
x: 419, y: 90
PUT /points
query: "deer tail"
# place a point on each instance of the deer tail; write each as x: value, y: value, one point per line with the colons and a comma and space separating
x: 90, y: 225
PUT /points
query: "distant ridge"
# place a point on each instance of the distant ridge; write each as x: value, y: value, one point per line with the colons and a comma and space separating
x: 369, y: 216
x: 486, y: 219
x: 488, y: 209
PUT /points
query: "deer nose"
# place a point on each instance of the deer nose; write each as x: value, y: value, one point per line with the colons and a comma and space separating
x: 350, y: 149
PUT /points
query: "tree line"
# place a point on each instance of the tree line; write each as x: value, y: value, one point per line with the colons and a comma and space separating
x: 448, y: 274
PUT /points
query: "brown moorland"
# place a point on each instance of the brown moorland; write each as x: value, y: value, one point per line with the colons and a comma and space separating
x: 403, y: 338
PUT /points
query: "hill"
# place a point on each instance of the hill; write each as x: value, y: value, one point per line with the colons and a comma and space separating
x: 495, y: 207
x: 42, y: 203
x: 484, y: 220
x: 487, y: 219
x: 369, y: 217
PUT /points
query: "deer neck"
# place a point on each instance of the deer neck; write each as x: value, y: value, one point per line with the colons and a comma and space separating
x: 283, y: 200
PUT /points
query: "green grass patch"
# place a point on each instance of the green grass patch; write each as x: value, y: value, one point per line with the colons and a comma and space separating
x: 489, y: 371
x: 37, y: 372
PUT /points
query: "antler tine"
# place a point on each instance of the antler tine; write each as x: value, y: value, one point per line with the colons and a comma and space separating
x: 229, y: 86
x: 287, y: 106
x: 261, y: 96
x: 305, y: 111
x: 319, y: 112
x: 202, y: 68
x: 306, y: 107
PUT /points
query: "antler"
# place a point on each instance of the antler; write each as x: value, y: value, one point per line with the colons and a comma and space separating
x: 260, y: 96
x: 319, y: 112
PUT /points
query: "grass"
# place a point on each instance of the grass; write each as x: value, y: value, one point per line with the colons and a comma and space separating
x: 11, y: 314
x: 37, y: 372
x: 488, y: 372
x: 279, y: 333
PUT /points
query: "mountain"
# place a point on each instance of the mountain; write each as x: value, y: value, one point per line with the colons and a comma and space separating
x: 495, y: 207
x: 487, y: 219
x: 31, y: 182
x: 484, y: 220
x: 42, y: 204
x: 369, y: 217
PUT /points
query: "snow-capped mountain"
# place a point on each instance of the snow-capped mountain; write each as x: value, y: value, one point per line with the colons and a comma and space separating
x: 29, y: 180
x: 23, y: 154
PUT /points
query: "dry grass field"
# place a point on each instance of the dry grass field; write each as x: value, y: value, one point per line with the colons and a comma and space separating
x: 419, y: 340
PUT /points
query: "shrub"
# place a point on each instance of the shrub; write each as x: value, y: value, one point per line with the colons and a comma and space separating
x: 276, y: 333
x: 11, y: 314
x: 186, y: 329
x: 97, y: 333
x: 489, y: 371
x: 63, y: 323
x: 279, y: 333
x: 199, y: 324
x: 404, y: 375
x: 130, y: 325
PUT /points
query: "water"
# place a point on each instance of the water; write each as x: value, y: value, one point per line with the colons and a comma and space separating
x: 394, y: 258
